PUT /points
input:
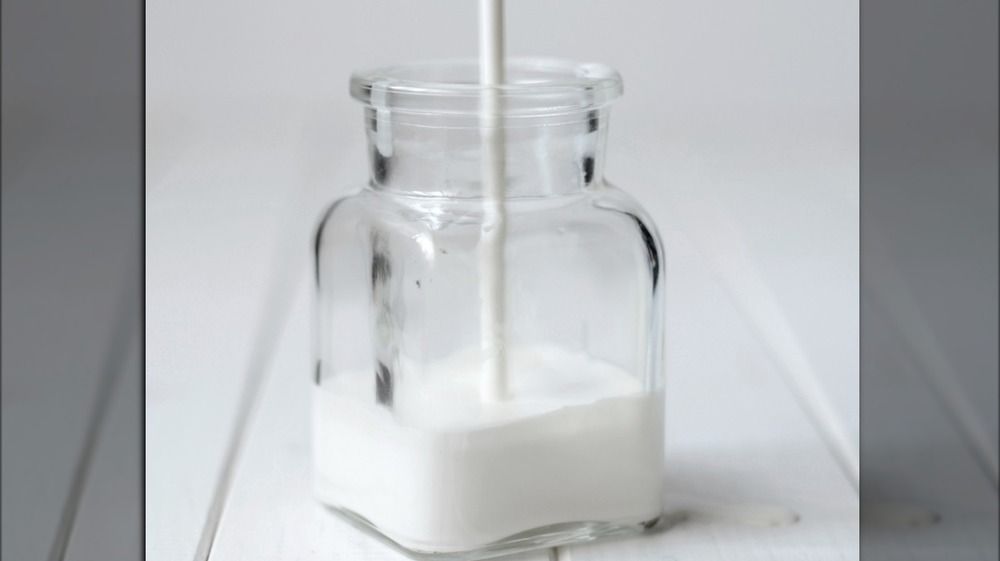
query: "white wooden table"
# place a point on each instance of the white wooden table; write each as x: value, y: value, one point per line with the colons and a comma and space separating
x: 762, y: 400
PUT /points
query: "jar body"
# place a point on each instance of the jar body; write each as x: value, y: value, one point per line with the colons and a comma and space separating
x: 404, y: 444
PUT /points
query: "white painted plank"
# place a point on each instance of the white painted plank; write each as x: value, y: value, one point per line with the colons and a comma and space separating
x: 740, y: 452
x: 774, y: 202
x: 209, y: 241
x: 217, y: 224
x: 271, y: 513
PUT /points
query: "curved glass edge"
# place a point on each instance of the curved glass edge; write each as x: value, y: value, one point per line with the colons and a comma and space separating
x: 555, y: 535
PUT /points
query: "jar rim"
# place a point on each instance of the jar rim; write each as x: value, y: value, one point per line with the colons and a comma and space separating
x: 536, y: 87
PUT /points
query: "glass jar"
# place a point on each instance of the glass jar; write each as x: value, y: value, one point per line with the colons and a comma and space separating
x: 466, y: 408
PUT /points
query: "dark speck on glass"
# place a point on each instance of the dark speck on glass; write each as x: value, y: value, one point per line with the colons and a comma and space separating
x: 592, y: 121
x: 588, y: 169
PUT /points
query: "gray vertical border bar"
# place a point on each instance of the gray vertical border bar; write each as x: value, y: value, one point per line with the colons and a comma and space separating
x: 72, y: 229
x: 929, y: 279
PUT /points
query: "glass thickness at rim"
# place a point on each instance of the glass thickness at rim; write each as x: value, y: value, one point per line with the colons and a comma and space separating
x: 535, y: 87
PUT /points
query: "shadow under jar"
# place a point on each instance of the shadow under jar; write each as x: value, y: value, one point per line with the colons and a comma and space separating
x: 404, y: 444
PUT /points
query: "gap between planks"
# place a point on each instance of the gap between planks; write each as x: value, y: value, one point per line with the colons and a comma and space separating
x: 276, y: 308
x: 122, y: 336
x: 277, y: 303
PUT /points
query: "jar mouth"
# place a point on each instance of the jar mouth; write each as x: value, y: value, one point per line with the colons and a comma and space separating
x: 535, y: 87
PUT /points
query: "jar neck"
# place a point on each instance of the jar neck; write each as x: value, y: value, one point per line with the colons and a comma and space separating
x: 441, y: 155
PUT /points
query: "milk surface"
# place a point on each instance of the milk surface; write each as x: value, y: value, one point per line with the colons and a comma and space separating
x: 578, y: 440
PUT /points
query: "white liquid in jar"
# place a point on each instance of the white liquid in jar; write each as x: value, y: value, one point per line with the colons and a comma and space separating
x: 579, y: 441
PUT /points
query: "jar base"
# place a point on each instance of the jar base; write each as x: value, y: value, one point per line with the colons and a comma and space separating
x: 554, y: 535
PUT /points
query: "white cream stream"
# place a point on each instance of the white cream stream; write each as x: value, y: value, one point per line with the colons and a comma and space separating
x: 492, y: 241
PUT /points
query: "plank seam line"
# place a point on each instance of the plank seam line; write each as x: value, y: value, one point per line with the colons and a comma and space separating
x: 273, y: 321
x: 795, y: 369
x: 276, y: 306
x: 276, y: 311
x: 755, y: 302
x: 113, y: 370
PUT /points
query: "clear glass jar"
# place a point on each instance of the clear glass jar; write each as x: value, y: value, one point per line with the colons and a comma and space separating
x: 419, y: 435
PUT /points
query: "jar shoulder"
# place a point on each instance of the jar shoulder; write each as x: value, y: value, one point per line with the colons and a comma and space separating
x: 642, y: 230
x: 612, y: 213
x: 334, y: 216
x: 376, y: 206
x: 613, y: 199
